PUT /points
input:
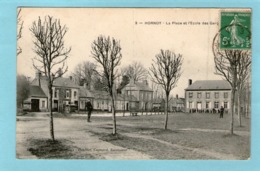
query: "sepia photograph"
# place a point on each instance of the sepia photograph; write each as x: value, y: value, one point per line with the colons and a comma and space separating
x: 133, y: 83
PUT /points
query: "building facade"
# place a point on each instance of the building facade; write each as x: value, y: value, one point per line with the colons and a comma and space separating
x: 37, y: 100
x: 207, y: 96
x: 64, y: 92
x: 141, y: 92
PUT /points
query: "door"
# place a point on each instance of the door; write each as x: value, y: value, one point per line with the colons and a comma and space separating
x: 55, y: 106
x: 35, y: 105
x: 126, y: 106
x: 199, y: 105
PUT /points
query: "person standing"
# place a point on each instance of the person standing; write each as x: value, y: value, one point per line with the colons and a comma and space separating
x: 89, y: 108
x: 221, y: 112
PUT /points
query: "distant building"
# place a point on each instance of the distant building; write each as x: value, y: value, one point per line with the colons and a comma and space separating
x: 207, y: 96
x: 84, y: 95
x: 37, y: 100
x: 101, y: 100
x: 142, y: 92
x: 65, y: 91
x: 177, y: 104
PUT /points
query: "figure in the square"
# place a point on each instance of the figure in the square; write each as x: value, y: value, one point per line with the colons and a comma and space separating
x: 221, y: 112
x: 89, y: 108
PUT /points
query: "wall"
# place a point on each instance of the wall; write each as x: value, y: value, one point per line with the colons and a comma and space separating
x: 194, y: 100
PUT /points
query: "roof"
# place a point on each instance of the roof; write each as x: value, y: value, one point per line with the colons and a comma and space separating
x: 124, y: 97
x: 141, y: 86
x: 100, y: 94
x: 83, y: 92
x: 177, y: 100
x: 58, y: 82
x: 158, y: 100
x: 64, y: 82
x: 36, y: 91
x: 209, y: 85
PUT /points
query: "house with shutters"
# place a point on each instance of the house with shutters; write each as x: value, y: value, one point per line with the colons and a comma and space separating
x: 207, y: 96
x: 65, y: 91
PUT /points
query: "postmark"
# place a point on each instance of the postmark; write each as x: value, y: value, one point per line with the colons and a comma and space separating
x: 235, y: 32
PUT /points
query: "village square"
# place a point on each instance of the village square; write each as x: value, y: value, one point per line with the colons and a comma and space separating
x: 108, y: 106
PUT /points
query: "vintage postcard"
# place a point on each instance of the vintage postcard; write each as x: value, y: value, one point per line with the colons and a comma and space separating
x: 134, y: 83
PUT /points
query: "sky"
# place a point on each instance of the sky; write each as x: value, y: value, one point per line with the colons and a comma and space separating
x: 142, y: 32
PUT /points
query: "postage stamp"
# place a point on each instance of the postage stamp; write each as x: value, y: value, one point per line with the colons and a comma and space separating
x: 235, y: 32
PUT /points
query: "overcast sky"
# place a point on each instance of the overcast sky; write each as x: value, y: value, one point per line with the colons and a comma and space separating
x: 139, y: 42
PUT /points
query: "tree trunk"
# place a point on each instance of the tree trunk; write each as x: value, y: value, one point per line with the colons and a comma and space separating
x: 113, y: 114
x: 233, y: 99
x: 51, y: 115
x: 232, y: 111
x: 166, y: 112
x: 238, y: 110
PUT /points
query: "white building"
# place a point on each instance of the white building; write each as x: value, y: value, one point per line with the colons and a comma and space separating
x: 207, y: 96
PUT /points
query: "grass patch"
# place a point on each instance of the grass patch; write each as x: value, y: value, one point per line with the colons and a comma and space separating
x: 58, y: 149
x: 111, y: 137
x: 150, y: 147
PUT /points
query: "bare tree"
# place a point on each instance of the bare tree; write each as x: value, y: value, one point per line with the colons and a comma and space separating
x: 244, y: 68
x: 107, y: 52
x: 166, y: 71
x: 233, y: 66
x: 135, y: 71
x: 77, y: 74
x: 51, y: 53
x: 19, y: 30
x: 85, y: 73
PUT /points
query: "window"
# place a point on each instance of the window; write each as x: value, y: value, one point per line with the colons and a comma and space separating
x: 207, y: 105
x: 199, y: 105
x: 141, y: 96
x: 207, y: 95
x: 190, y: 105
x: 225, y: 95
x: 225, y: 105
x: 216, y: 95
x: 75, y: 94
x: 56, y: 93
x: 190, y: 94
x: 43, y: 104
x: 67, y: 94
x: 216, y: 104
x: 199, y: 95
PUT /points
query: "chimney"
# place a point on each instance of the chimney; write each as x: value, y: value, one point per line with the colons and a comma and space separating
x: 177, y: 96
x: 190, y: 82
x: 60, y: 72
x: 38, y: 77
x: 85, y: 85
x: 70, y: 77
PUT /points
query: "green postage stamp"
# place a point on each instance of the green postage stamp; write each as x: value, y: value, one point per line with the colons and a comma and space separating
x: 235, y: 32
